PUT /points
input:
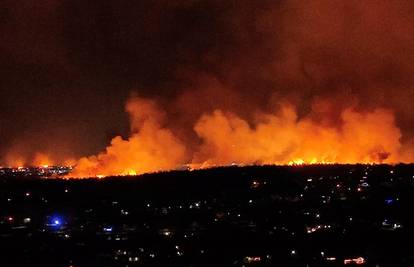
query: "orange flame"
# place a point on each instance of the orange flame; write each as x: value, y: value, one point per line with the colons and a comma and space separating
x: 285, y: 139
x: 42, y: 159
x: 226, y: 139
x: 151, y: 147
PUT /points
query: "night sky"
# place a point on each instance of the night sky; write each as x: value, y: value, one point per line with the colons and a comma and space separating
x: 68, y: 67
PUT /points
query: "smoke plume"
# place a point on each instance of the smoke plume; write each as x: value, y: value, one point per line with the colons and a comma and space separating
x: 225, y: 138
x: 370, y: 137
x: 219, y: 82
x: 149, y: 148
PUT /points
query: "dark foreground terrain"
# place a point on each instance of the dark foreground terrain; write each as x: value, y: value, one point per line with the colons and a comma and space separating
x: 336, y: 215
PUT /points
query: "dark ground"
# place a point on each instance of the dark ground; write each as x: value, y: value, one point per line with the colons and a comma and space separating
x: 232, y: 216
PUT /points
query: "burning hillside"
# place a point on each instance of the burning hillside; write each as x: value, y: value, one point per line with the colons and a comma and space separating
x: 224, y: 138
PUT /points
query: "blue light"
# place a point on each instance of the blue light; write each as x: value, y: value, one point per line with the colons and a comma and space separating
x: 389, y: 201
x: 55, y: 221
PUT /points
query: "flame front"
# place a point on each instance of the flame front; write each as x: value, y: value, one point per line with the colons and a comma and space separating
x: 285, y: 139
x: 150, y: 148
x: 225, y: 139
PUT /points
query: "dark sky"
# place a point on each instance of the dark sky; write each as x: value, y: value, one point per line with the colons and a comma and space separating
x: 68, y: 66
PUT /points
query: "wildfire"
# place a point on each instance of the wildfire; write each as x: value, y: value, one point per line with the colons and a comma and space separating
x: 13, y: 161
x: 297, y: 162
x: 254, y: 82
x: 151, y: 147
x: 281, y: 138
x: 285, y: 139
x: 42, y: 159
x: 129, y: 172
x: 39, y: 160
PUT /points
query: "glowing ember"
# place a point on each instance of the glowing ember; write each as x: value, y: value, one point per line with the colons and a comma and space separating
x: 129, y: 172
x: 297, y: 162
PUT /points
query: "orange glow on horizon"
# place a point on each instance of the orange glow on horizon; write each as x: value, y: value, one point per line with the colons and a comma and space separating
x: 225, y: 139
x: 42, y: 159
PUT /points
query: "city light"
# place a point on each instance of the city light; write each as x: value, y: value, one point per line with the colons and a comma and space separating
x: 357, y: 261
x: 107, y: 229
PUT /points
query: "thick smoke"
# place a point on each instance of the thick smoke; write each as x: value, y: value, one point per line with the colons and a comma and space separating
x: 281, y: 138
x: 149, y: 148
x: 16, y: 159
x: 284, y: 139
x: 235, y: 81
x: 42, y: 159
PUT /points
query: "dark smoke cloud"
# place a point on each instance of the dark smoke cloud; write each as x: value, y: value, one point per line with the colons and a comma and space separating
x: 67, y: 67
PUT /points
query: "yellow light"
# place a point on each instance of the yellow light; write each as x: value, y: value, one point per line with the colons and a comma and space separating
x: 129, y: 172
x: 297, y: 162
